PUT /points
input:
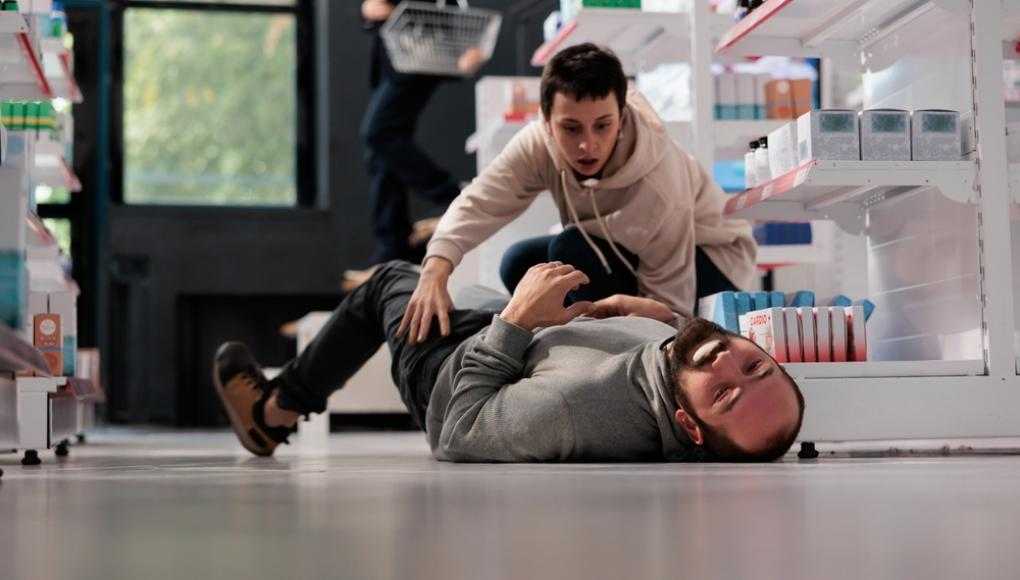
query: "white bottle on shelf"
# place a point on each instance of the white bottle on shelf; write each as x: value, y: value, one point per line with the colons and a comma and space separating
x: 750, y: 169
x: 761, y: 161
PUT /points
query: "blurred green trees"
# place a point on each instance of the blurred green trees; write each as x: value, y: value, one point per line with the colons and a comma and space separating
x: 209, y: 108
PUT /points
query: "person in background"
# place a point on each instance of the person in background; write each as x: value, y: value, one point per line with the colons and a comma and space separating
x: 642, y: 217
x: 395, y: 163
x: 531, y: 380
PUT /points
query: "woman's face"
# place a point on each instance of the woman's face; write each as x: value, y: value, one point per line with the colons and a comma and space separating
x: 585, y: 131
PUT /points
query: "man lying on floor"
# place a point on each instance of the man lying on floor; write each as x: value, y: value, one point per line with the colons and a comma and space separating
x: 536, y: 381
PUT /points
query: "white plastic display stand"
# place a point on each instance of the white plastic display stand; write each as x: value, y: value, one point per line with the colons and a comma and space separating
x: 371, y: 390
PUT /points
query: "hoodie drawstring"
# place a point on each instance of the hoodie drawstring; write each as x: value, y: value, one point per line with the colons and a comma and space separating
x: 577, y: 223
x: 605, y: 231
x: 602, y: 225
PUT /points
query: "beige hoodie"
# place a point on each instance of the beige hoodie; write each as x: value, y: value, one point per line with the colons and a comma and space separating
x: 654, y: 199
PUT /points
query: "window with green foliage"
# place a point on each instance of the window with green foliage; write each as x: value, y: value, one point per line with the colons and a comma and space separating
x: 209, y: 107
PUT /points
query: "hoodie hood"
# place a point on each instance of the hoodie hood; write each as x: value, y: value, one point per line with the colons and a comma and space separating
x: 640, y: 147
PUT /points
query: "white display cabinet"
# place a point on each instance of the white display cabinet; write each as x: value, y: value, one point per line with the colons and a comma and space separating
x: 37, y: 411
x: 929, y: 241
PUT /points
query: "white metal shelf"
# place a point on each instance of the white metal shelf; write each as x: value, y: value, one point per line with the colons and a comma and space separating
x: 880, y: 369
x: 21, y: 70
x: 731, y: 137
x: 841, y: 190
x: 640, y: 38
x: 18, y: 356
x: 814, y: 28
x: 51, y: 166
x: 56, y: 60
x: 774, y: 255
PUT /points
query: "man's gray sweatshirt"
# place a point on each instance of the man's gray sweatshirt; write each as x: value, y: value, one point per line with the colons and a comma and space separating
x: 590, y: 390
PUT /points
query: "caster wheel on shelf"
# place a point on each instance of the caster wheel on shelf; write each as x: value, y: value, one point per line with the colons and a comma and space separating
x: 31, y: 458
x: 62, y: 449
x: 1, y: 472
x: 807, y: 451
x: 80, y: 437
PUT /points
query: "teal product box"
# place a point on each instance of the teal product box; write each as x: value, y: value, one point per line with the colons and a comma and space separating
x: 803, y: 298
x: 777, y: 300
x: 720, y: 308
x: 841, y: 300
x: 70, y: 351
x: 743, y: 300
x: 760, y: 300
x: 869, y: 307
x: 13, y: 289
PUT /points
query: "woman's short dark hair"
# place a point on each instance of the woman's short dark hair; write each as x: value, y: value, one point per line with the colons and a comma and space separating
x: 585, y: 71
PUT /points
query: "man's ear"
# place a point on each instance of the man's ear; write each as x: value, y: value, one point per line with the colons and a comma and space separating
x: 690, y: 426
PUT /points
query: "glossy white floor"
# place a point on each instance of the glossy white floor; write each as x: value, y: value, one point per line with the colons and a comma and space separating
x: 141, y: 505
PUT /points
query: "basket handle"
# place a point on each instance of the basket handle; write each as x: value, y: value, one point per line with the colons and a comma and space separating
x: 461, y: 3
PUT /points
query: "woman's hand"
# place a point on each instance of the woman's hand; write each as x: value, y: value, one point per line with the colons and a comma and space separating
x: 623, y: 305
x: 376, y: 10
x: 431, y: 298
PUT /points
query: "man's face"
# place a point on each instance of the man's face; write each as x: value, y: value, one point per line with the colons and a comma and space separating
x: 585, y: 131
x: 734, y: 388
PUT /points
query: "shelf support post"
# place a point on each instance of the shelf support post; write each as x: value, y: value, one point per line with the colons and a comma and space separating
x: 992, y: 184
x: 702, y: 86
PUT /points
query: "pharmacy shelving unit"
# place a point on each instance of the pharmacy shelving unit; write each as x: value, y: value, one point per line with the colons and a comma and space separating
x: 37, y: 411
x: 935, y: 237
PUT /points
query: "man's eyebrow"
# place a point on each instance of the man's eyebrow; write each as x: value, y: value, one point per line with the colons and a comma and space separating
x: 605, y: 117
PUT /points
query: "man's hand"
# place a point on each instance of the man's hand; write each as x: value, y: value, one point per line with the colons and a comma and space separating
x: 623, y: 305
x: 376, y: 10
x: 431, y: 298
x: 538, y: 299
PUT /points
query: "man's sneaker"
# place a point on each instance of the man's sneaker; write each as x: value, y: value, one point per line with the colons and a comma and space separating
x: 244, y: 391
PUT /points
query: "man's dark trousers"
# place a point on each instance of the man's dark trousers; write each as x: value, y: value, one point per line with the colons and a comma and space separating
x: 364, y: 321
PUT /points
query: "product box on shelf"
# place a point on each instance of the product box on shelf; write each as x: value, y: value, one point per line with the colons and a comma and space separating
x: 64, y: 305
x: 13, y: 205
x: 885, y: 135
x: 837, y: 325
x: 48, y: 339
x: 807, y: 332
x: 13, y: 288
x: 935, y: 135
x: 828, y: 134
x: 720, y: 308
x: 767, y: 329
x: 779, y: 99
x: 823, y: 334
x: 857, y: 337
x: 802, y: 98
x: 760, y: 300
x: 783, y: 150
x: 794, y: 336
x: 746, y: 90
x: 760, y: 96
x: 726, y: 96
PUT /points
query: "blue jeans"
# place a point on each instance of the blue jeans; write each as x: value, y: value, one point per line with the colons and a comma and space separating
x: 396, y: 164
x: 569, y: 247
